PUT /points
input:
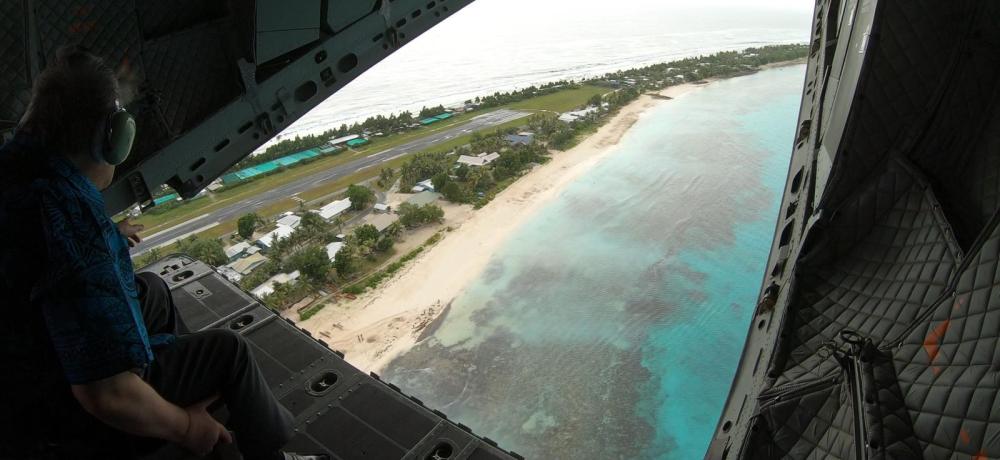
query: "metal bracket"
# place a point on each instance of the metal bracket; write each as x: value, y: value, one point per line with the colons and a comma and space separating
x: 248, y: 75
x: 391, y: 34
x: 140, y: 190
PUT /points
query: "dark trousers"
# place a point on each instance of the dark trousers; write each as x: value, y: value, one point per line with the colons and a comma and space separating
x: 219, y: 362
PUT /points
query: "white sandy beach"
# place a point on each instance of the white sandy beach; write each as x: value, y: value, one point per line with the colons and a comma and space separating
x: 382, y: 324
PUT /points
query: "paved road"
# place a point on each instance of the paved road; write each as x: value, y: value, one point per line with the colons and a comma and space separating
x: 235, y: 210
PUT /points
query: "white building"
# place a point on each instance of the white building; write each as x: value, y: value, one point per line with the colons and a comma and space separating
x: 235, y: 271
x: 215, y: 185
x: 334, y: 209
x: 267, y: 287
x: 382, y: 208
x: 290, y: 220
x: 343, y: 140
x: 482, y: 159
x: 230, y: 274
x: 267, y: 241
x: 333, y: 248
x: 570, y: 117
x: 236, y: 251
x: 423, y: 186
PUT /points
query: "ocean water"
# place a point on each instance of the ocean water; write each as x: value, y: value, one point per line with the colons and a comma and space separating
x: 610, y: 325
x: 500, y: 45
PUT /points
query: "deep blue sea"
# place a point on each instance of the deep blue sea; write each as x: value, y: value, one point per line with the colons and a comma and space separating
x: 611, y: 323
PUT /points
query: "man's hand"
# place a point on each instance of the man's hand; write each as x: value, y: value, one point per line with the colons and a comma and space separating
x: 130, y: 231
x: 129, y: 404
x: 203, y: 431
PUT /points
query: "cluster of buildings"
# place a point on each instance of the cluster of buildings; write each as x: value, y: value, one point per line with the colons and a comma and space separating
x: 477, y: 161
x: 352, y: 141
x: 270, y: 166
x: 245, y: 257
x: 570, y: 117
x: 331, y: 147
x: 431, y: 120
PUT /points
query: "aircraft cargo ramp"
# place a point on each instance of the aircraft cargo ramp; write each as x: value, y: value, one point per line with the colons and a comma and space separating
x: 338, y: 409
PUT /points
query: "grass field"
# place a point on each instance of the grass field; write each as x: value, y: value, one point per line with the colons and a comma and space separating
x: 562, y: 101
x: 556, y: 102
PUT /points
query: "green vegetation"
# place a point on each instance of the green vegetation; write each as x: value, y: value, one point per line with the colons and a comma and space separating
x: 385, y: 178
x: 413, y: 216
x: 475, y: 183
x: 422, y: 166
x: 378, y: 277
x: 208, y: 250
x: 453, y: 192
x: 511, y: 98
x: 311, y: 311
x: 149, y: 257
x: 261, y: 274
x: 346, y: 262
x: 560, y: 101
x: 311, y: 262
x: 287, y: 294
x: 361, y: 196
x: 428, y: 112
x: 247, y: 224
x: 366, y: 235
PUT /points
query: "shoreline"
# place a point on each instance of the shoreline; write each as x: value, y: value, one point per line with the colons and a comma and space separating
x: 384, y: 323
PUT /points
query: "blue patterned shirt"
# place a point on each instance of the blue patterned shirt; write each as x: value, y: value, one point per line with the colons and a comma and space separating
x: 83, y: 290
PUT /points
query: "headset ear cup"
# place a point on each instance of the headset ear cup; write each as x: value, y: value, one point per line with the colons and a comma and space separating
x: 120, y: 135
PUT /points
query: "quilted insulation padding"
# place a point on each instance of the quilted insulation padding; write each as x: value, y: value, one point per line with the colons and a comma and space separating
x: 14, y: 85
x: 948, y: 366
x: 191, y: 74
x: 958, y: 150
x: 811, y: 422
x: 886, y: 257
x: 908, y: 59
x: 108, y: 28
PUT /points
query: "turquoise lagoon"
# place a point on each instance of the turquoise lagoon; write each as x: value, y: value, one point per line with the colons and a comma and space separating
x: 610, y: 325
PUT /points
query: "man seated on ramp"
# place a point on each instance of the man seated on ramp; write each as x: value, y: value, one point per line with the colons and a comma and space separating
x: 95, y: 361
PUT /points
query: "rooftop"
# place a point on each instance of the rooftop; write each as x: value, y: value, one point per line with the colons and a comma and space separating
x: 423, y: 198
x: 577, y: 114
x: 520, y: 138
x: 333, y: 248
x: 482, y: 159
x: 236, y: 249
x: 290, y: 221
x: 334, y: 209
x: 341, y: 140
x: 267, y: 287
x: 247, y: 264
x: 279, y: 233
x: 381, y: 221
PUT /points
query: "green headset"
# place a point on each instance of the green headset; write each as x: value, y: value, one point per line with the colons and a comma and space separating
x: 113, y: 138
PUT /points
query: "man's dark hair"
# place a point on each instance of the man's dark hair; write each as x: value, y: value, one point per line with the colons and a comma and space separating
x: 69, y: 99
